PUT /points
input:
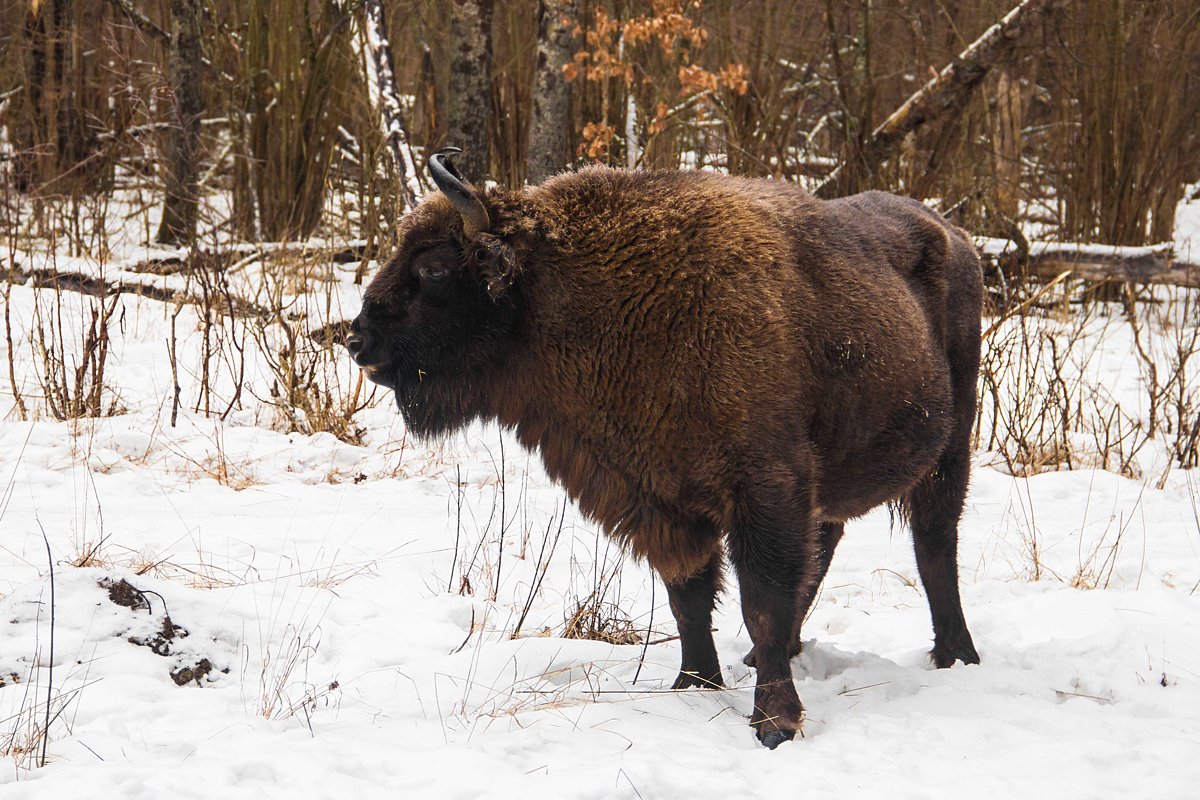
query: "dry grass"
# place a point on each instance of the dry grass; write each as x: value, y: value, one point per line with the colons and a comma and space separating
x: 284, y: 688
x: 314, y: 387
x: 23, y: 735
x: 91, y: 554
x: 596, y: 613
x: 600, y: 621
x: 334, y: 575
x: 215, y: 463
x: 1045, y: 403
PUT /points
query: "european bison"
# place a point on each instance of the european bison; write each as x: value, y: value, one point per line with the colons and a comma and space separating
x: 702, y: 359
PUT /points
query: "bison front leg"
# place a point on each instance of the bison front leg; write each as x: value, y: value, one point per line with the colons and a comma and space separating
x: 831, y: 534
x: 692, y: 601
x: 771, y: 548
x: 768, y: 607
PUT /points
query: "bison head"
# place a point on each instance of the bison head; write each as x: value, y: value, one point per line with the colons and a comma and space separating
x: 442, y: 314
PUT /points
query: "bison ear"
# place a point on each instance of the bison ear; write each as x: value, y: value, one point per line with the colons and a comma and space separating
x: 497, y: 261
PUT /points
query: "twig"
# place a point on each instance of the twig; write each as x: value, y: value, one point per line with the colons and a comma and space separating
x: 663, y: 640
x: 649, y: 630
x: 860, y: 688
x: 503, y: 521
x: 1024, y: 305
x: 541, y: 567
x: 177, y: 390
x: 470, y: 632
x: 141, y: 21
x: 458, y: 501
x: 50, y: 675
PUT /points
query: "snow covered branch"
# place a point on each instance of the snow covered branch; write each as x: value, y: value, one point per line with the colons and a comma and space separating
x: 386, y: 98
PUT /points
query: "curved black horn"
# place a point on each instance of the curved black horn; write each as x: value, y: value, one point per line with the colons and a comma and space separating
x: 455, y: 186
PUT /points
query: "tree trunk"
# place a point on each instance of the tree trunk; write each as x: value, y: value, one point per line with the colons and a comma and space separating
x: 1162, y: 220
x: 427, y: 108
x: 1007, y: 123
x: 470, y: 101
x: 387, y: 101
x: 55, y: 121
x: 548, y: 145
x: 182, y: 151
x: 947, y: 93
x: 27, y: 131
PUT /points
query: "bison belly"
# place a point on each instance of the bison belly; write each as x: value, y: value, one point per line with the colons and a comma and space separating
x: 883, y: 414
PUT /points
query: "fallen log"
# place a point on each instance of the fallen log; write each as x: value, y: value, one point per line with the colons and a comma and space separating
x: 1155, y: 264
x: 97, y: 287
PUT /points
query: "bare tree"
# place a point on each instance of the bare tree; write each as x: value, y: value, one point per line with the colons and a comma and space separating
x: 1083, y: 121
x: 470, y: 101
x: 56, y: 113
x: 548, y: 144
x: 1125, y: 93
x: 182, y: 163
x: 1007, y: 124
x: 387, y: 100
x: 948, y: 92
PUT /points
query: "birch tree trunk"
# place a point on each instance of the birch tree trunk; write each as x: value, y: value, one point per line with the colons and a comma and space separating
x: 548, y: 151
x: 470, y: 101
x: 633, y: 147
x: 182, y: 150
x: 386, y: 98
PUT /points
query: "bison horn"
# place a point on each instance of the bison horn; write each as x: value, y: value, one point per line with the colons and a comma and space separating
x: 458, y: 190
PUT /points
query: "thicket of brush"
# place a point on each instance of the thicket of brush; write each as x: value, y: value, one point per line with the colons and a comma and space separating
x: 1091, y: 127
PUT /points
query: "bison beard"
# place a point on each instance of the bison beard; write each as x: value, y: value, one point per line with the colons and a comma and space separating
x: 709, y: 365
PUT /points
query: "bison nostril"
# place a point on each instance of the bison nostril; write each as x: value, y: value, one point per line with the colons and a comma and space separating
x: 355, y: 343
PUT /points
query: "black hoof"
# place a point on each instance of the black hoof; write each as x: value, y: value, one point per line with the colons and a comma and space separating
x: 773, y: 738
x: 944, y: 656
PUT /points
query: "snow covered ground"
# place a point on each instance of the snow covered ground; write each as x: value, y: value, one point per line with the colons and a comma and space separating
x: 342, y: 617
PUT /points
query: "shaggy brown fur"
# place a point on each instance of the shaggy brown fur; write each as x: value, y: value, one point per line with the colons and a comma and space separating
x: 703, y: 359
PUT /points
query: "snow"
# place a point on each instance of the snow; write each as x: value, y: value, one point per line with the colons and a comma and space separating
x: 1187, y: 226
x: 321, y: 582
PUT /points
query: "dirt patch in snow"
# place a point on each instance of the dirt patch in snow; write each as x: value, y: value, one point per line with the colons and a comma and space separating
x: 162, y: 642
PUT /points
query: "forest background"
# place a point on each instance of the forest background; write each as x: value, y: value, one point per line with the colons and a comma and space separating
x: 1082, y: 125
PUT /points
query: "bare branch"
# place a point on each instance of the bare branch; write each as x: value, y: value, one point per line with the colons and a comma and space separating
x: 140, y: 20
x: 950, y: 89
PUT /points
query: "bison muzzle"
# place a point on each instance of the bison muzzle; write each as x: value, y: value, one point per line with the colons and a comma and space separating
x: 710, y: 366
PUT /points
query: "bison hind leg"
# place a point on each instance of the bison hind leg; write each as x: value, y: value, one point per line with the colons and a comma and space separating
x: 933, y: 508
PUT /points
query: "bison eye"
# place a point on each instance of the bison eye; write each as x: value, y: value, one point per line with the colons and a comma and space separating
x: 434, y: 273
x: 480, y: 255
